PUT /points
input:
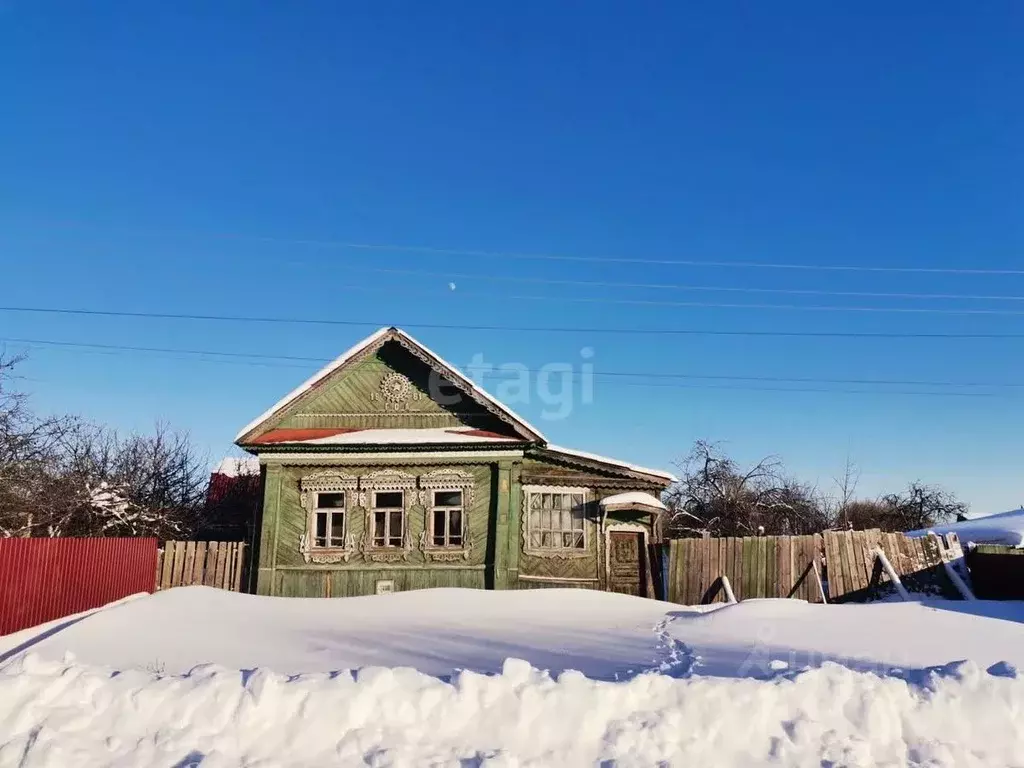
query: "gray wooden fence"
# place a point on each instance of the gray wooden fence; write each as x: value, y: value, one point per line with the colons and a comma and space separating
x: 209, y: 563
x: 839, y: 564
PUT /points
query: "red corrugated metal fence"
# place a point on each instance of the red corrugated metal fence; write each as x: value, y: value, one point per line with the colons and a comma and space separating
x: 45, y: 579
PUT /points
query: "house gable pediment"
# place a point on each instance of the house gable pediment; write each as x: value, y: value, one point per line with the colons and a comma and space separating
x: 387, y: 382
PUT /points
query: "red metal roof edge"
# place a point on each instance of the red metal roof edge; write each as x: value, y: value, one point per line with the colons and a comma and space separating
x: 298, y: 435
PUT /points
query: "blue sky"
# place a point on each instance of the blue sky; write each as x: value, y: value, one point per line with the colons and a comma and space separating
x: 199, y: 158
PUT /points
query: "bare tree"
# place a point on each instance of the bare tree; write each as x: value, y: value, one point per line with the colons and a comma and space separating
x: 61, y: 476
x: 846, y: 488
x: 715, y: 496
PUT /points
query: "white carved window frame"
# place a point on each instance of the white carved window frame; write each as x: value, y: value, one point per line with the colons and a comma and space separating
x: 556, y: 552
x: 384, y: 481
x: 445, y: 480
x: 309, y: 487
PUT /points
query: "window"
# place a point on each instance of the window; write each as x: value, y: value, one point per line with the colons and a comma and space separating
x: 556, y: 521
x: 329, y: 520
x: 388, y: 518
x: 446, y: 527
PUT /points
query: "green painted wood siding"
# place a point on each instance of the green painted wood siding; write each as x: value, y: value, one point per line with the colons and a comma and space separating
x: 283, y: 569
x: 324, y: 582
x: 353, y: 399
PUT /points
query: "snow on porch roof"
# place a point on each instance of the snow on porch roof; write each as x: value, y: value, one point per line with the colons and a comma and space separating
x: 615, y: 462
x: 399, y: 334
x: 631, y: 499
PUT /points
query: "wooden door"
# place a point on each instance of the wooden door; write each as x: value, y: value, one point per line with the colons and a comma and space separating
x: 626, y: 563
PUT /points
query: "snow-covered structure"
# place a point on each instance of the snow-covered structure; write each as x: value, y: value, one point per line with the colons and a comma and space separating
x: 390, y: 470
x: 1006, y: 528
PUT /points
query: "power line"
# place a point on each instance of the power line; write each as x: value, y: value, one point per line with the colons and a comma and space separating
x: 115, y: 348
x: 683, y: 287
x: 510, y: 328
x: 489, y: 254
x: 796, y: 307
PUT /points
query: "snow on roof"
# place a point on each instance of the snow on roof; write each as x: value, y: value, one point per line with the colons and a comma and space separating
x: 425, y: 436
x: 1002, y: 528
x: 641, y: 498
x: 308, y: 383
x: 233, y: 466
x: 625, y: 465
x: 359, y: 347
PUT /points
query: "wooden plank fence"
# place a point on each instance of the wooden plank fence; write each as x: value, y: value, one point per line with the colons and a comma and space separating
x: 756, y: 566
x: 853, y: 571
x: 208, y: 563
x: 842, y: 564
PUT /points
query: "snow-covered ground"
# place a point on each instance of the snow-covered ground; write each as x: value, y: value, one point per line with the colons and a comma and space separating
x: 1005, y: 528
x: 196, y: 676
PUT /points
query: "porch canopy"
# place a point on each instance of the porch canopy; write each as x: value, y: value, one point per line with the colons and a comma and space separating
x: 633, y: 501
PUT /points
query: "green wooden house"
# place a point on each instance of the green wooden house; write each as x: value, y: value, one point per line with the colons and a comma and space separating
x: 390, y: 470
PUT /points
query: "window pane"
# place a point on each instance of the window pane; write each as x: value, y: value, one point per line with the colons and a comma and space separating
x: 455, y: 523
x: 535, y: 501
x: 338, y: 529
x: 577, y: 500
x: 556, y: 501
x: 577, y: 541
x: 545, y: 539
x: 387, y: 499
x: 395, y: 529
x: 534, y: 539
x: 330, y: 500
x: 447, y: 498
x: 439, y: 526
x: 534, y: 519
x: 566, y: 539
x: 577, y: 519
x: 320, y: 537
x: 379, y: 521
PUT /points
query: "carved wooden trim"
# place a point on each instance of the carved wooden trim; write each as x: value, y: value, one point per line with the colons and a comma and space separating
x: 390, y: 479
x: 524, y: 524
x: 455, y: 380
x: 326, y: 481
x: 445, y: 480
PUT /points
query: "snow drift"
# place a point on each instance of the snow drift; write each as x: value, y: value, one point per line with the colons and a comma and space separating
x: 62, y: 714
x: 473, y: 678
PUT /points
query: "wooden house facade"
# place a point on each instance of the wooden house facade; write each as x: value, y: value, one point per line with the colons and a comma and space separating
x: 389, y: 470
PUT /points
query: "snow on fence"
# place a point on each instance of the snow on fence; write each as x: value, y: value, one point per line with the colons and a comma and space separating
x: 842, y: 564
x: 46, y: 579
x: 209, y: 563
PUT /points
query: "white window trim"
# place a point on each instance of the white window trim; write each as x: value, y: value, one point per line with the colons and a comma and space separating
x: 309, y: 487
x: 374, y: 509
x: 562, y: 553
x: 331, y: 512
x: 429, y: 522
x: 391, y: 479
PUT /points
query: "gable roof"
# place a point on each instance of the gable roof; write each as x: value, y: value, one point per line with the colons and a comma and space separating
x: 467, y: 385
